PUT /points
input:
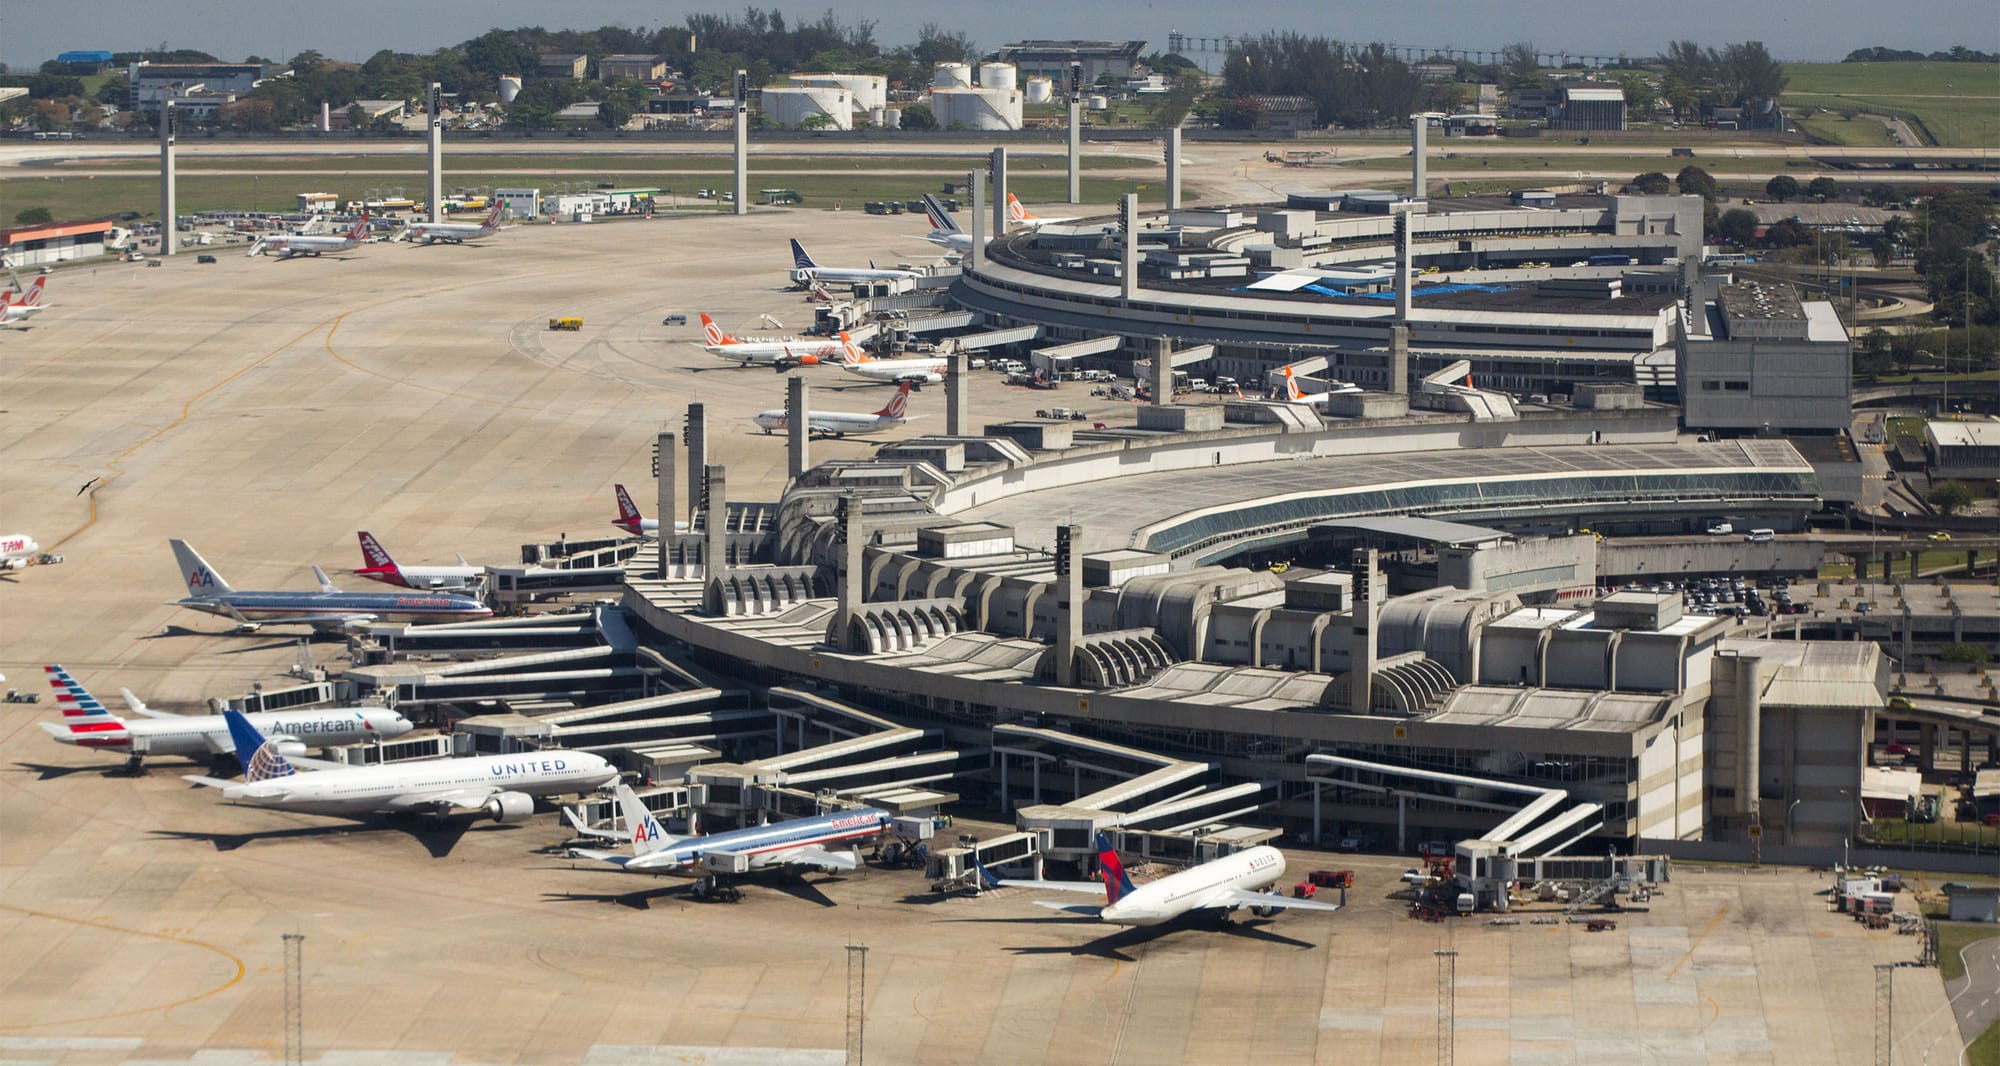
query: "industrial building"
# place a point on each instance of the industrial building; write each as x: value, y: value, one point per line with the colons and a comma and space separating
x: 28, y: 246
x: 791, y: 106
x: 1590, y: 106
x: 638, y: 67
x: 1289, y: 115
x: 197, y: 87
x: 1053, y: 59
x: 1963, y: 449
x: 1758, y: 358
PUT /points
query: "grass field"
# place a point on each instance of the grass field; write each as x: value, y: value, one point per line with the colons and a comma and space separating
x: 1558, y: 164
x: 1952, y: 938
x: 85, y: 197
x: 575, y: 167
x: 1958, y: 102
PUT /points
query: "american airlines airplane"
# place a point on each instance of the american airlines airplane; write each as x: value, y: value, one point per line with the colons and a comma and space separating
x: 16, y: 550
x: 504, y: 787
x: 13, y: 311
x: 926, y: 371
x: 1235, y: 880
x: 800, y: 842
x: 1017, y: 215
x: 327, y: 609
x: 457, y: 232
x: 807, y: 272
x: 89, y: 724
x: 777, y: 354
x: 841, y: 423
x: 378, y: 566
x: 291, y: 244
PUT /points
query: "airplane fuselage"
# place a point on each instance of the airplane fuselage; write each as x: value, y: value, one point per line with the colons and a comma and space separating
x: 425, y: 577
x: 770, y: 841
x: 208, y: 734
x: 332, y: 608
x: 357, y: 790
x: 1193, y: 889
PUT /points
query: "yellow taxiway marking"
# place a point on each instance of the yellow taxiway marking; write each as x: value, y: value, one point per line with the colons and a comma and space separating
x: 108, y: 927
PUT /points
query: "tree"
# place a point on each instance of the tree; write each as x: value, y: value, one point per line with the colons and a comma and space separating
x: 1964, y: 652
x: 357, y: 117
x: 1737, y: 226
x: 1786, y: 233
x: 33, y: 216
x: 919, y: 117
x: 1824, y: 188
x: 817, y: 121
x: 1694, y: 181
x: 1651, y: 183
x: 614, y: 113
x: 1782, y: 188
x: 1949, y: 497
x: 1520, y: 61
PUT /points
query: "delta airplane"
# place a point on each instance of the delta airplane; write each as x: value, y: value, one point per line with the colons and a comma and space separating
x: 776, y: 354
x: 1017, y: 215
x: 17, y: 550
x: 841, y: 423
x: 378, y: 566
x: 291, y: 244
x: 800, y: 842
x: 805, y: 271
x: 905, y: 371
x: 87, y: 723
x: 327, y: 609
x: 456, y: 232
x: 12, y: 310
x: 504, y: 787
x: 1234, y: 880
x: 1294, y: 394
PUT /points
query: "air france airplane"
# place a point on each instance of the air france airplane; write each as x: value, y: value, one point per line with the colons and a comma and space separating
x: 327, y: 609
x: 1234, y: 880
x: 87, y: 723
x: 807, y: 272
x: 800, y: 842
x: 504, y: 787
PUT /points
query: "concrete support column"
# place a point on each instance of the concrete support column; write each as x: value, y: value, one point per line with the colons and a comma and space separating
x: 1128, y: 271
x: 1749, y: 732
x: 1965, y: 752
x: 999, y: 167
x: 1926, y: 745
x: 1174, y: 169
x: 1069, y: 601
x: 168, y: 212
x: 1419, y: 132
x: 742, y: 142
x: 697, y: 458
x: 665, y: 457
x: 715, y: 553
x: 957, y: 393
x: 1399, y: 358
x: 1368, y: 594
x: 798, y: 426
x: 976, y: 257
x: 434, y: 204
x: 848, y: 589
x: 1075, y: 149
x: 1402, y: 265
x: 1163, y: 371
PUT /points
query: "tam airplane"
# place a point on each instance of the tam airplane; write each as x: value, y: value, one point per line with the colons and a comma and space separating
x: 325, y: 609
x: 632, y: 521
x: 503, y: 787
x: 841, y: 423
x: 13, y: 310
x: 905, y: 371
x: 802, y: 842
x: 1017, y: 215
x: 377, y: 565
x: 87, y: 723
x: 777, y: 354
x: 457, y: 232
x: 16, y: 550
x: 805, y: 271
x: 1235, y: 880
x: 291, y: 244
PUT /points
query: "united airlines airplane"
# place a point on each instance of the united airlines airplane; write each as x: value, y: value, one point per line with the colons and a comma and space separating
x: 327, y: 609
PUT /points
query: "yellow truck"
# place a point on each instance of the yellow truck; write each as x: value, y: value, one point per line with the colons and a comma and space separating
x: 566, y: 323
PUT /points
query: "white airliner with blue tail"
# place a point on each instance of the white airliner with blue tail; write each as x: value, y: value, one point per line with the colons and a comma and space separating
x: 802, y: 842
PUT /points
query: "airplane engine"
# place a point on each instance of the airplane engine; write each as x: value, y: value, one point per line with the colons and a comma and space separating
x: 290, y: 748
x: 510, y: 807
x: 14, y: 564
x: 1263, y: 912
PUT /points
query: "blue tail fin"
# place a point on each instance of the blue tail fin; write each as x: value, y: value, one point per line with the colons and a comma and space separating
x: 260, y: 758
x: 1116, y: 884
x: 799, y: 257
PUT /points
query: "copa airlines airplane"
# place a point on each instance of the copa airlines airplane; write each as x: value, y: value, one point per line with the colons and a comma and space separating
x: 16, y: 549
x: 841, y: 423
x: 504, y: 787
x: 89, y: 724
x: 327, y: 609
x: 13, y: 311
x: 807, y: 272
x: 291, y: 244
x: 1294, y: 394
x: 1234, y: 880
x: 777, y: 354
x: 1018, y: 215
x: 801, y: 842
x: 457, y: 232
x: 378, y: 566
x: 927, y: 371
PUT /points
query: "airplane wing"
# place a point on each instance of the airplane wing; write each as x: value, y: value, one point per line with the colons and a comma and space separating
x: 1088, y: 910
x: 1236, y: 897
x: 219, y: 744
x: 208, y: 782
x: 813, y: 855
x: 139, y: 707
x: 576, y: 822
x: 458, y: 798
x: 1093, y: 887
x: 615, y: 858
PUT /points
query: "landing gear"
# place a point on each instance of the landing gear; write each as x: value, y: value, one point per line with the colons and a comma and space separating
x: 135, y: 765
x: 713, y: 889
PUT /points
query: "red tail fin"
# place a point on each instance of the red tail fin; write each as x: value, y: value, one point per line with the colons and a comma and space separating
x: 627, y: 511
x: 493, y: 216
x: 360, y: 228
x: 374, y: 557
x: 897, y: 404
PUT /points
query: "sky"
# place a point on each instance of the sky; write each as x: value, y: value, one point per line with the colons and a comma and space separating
x: 1796, y: 30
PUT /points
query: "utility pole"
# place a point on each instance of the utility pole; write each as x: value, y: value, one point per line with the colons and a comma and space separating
x: 1885, y: 1013
x: 295, y: 1044
x: 857, y: 1000
x: 1447, y: 1004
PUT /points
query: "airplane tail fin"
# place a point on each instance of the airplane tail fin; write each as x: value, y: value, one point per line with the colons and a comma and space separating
x: 324, y: 584
x: 493, y: 216
x: 897, y: 404
x: 360, y: 228
x: 33, y: 297
x: 628, y: 512
x: 716, y: 336
x: 260, y: 757
x: 940, y: 218
x: 201, y: 578
x: 855, y: 356
x: 1292, y: 390
x: 1018, y: 213
x: 1116, y: 883
x: 800, y: 259
x: 375, y: 558
x: 647, y: 834
x: 87, y: 719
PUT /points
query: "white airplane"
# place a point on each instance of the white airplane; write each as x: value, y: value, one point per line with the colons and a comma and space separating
x: 632, y: 521
x: 502, y: 786
x: 777, y: 354
x: 1235, y: 880
x: 925, y: 371
x: 1294, y: 394
x: 457, y: 232
x: 17, y: 550
x: 291, y: 244
x: 1017, y: 215
x: 13, y: 310
x: 378, y: 566
x: 807, y: 272
x: 326, y: 609
x: 944, y: 230
x: 800, y: 842
x: 841, y: 423
x: 87, y: 723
